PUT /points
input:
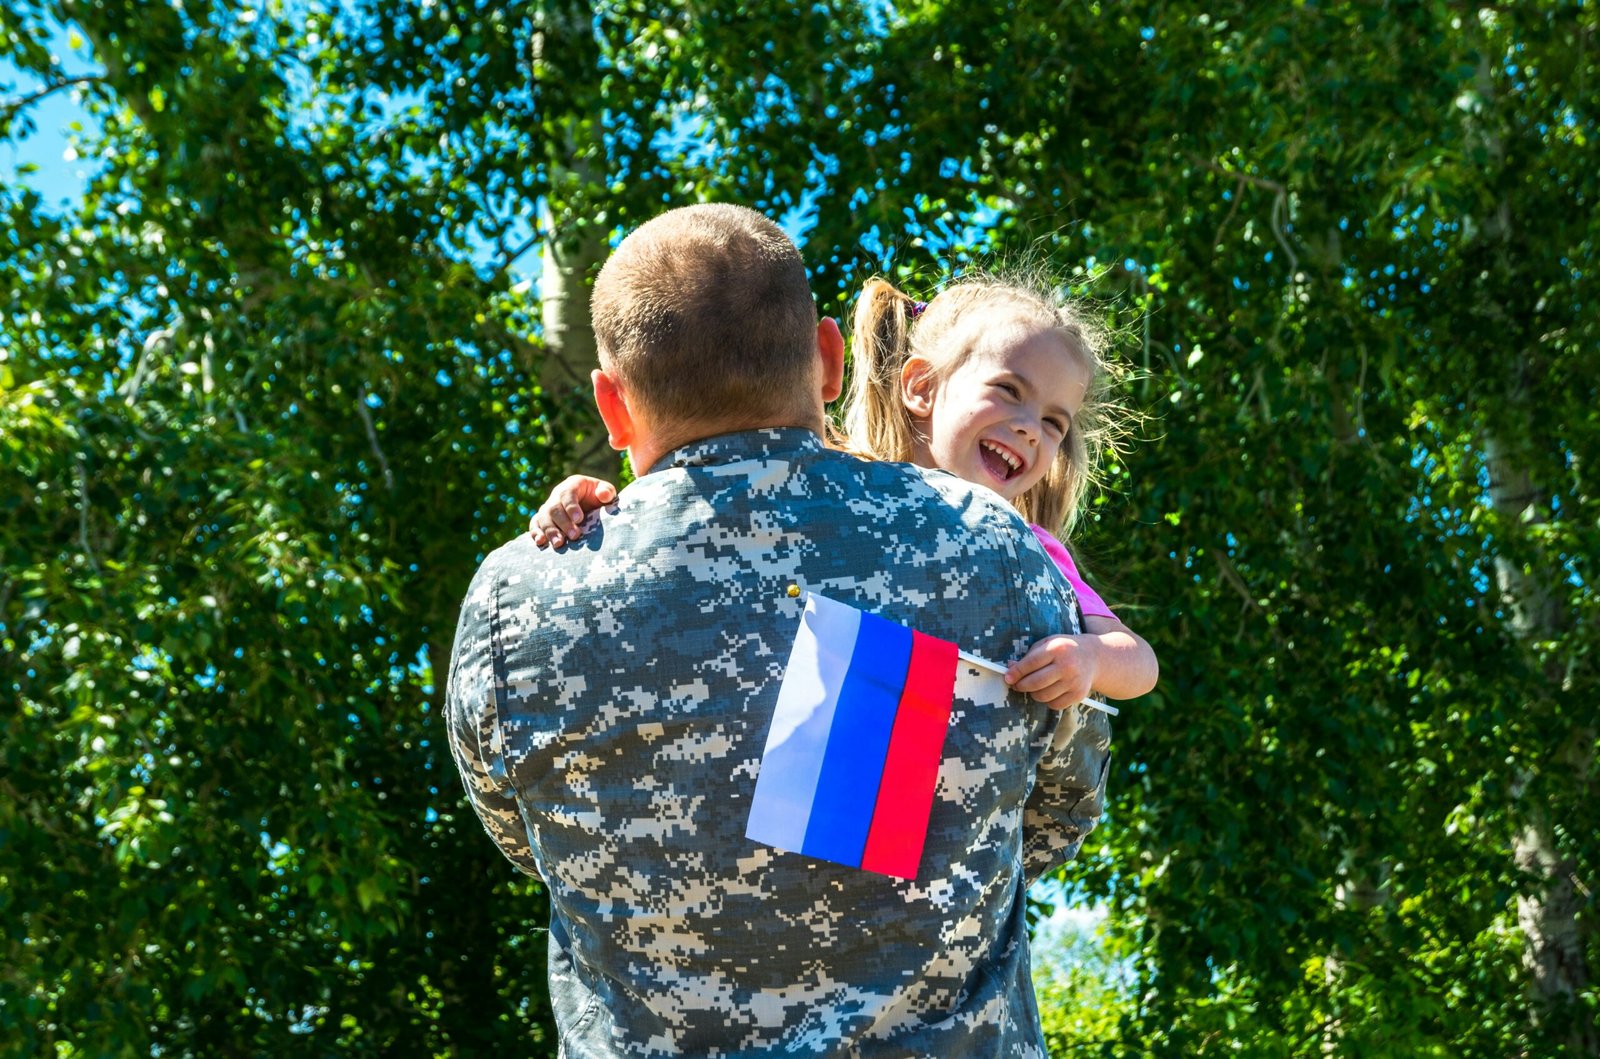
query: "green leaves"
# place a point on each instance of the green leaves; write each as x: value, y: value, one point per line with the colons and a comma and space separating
x: 271, y: 388
x: 1306, y: 531
x: 237, y: 510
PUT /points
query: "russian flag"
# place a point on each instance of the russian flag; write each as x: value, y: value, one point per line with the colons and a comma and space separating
x: 856, y: 740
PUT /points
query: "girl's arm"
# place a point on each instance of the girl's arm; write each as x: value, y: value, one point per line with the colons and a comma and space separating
x: 1128, y: 666
x: 1109, y: 658
x: 560, y: 518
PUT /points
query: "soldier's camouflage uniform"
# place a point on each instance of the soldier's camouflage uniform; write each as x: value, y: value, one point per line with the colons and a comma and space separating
x: 608, y: 706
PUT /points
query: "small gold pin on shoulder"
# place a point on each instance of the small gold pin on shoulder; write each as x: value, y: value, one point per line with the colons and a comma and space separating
x: 794, y: 591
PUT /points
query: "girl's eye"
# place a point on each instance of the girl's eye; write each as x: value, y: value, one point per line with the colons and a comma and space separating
x: 1010, y: 390
x: 1057, y: 425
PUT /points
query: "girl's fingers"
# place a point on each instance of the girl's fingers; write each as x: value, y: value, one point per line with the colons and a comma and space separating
x: 545, y: 531
x: 1037, y: 681
x: 574, y: 515
x: 557, y: 517
x: 1056, y: 695
x: 1031, y: 662
x: 1064, y: 693
x: 562, y: 517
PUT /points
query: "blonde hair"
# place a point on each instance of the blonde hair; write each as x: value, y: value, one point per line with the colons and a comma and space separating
x: 889, y: 330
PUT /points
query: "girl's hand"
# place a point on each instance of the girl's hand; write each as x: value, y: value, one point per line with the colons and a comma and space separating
x: 560, y: 518
x: 1057, y: 671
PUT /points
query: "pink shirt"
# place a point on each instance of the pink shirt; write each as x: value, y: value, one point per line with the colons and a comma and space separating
x: 1088, y: 598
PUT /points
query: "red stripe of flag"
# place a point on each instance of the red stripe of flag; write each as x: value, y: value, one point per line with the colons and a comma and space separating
x: 916, y: 746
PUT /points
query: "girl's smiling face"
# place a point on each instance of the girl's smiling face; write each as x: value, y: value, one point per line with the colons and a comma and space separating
x: 998, y: 419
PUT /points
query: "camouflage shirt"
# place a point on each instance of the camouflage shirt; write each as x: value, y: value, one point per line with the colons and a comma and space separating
x: 608, y: 707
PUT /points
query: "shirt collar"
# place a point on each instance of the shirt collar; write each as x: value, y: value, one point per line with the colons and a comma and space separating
x: 765, y: 444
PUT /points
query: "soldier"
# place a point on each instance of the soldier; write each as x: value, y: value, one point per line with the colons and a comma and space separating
x: 608, y: 707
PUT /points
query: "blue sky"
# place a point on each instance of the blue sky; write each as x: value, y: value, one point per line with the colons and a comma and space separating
x: 62, y: 177
x: 59, y: 178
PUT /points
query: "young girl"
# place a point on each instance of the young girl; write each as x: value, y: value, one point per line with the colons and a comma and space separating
x: 999, y: 385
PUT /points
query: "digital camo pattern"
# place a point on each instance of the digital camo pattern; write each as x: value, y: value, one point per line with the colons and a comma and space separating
x: 608, y: 706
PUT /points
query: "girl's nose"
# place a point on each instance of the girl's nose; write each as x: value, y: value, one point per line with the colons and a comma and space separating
x: 1028, y: 429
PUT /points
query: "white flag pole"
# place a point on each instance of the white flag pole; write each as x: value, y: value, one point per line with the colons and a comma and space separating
x: 996, y: 667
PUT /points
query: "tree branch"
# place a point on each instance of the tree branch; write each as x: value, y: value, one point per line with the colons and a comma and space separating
x: 1230, y: 574
x: 1238, y: 197
x: 1361, y: 397
x: 83, y: 516
x: 6, y: 589
x: 507, y: 260
x: 1280, y: 210
x: 1246, y: 178
x: 9, y: 108
x: 1280, y: 206
x: 372, y: 437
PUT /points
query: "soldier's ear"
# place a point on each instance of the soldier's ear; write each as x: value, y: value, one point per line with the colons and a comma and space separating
x: 830, y: 354
x: 621, y: 430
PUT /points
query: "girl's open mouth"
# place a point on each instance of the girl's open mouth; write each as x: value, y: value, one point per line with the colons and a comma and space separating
x: 999, y: 461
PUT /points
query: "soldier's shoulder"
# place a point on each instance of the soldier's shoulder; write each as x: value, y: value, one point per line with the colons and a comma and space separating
x: 501, y: 565
x: 517, y: 552
x: 972, y: 505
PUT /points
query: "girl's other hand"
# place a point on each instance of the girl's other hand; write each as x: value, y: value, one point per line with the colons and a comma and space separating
x: 1058, y: 671
x: 560, y: 518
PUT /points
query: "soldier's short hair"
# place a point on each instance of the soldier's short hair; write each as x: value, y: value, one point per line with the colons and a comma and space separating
x: 705, y: 315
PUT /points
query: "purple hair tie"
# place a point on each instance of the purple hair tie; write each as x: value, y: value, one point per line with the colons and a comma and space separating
x: 917, y: 308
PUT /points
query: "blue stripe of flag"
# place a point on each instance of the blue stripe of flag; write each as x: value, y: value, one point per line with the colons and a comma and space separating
x: 852, y: 765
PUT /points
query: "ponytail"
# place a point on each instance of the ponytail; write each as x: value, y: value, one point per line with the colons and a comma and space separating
x: 876, y: 423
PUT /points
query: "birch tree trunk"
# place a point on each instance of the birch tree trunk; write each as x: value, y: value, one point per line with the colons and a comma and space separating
x: 1547, y: 913
x: 572, y: 254
x: 566, y: 53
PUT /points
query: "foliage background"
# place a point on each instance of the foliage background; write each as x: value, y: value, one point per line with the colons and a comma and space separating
x: 296, y: 358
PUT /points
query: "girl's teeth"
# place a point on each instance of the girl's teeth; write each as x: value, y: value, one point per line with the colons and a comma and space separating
x: 1011, y: 461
